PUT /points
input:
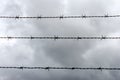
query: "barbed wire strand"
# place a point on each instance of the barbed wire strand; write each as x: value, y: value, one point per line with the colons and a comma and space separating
x: 60, y: 68
x: 59, y: 17
x: 58, y: 37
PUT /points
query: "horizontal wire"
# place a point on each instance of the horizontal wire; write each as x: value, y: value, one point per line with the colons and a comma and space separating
x: 61, y: 68
x: 57, y: 37
x: 59, y: 17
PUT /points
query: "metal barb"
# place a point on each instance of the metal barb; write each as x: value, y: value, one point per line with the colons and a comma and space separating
x: 39, y: 17
x: 56, y: 37
x: 103, y: 37
x: 17, y: 17
x: 21, y: 67
x: 106, y: 16
x: 61, y: 17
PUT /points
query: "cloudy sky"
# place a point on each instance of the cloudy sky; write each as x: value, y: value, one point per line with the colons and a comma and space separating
x: 83, y: 53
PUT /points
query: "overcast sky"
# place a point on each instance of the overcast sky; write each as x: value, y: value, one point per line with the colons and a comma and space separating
x: 78, y: 53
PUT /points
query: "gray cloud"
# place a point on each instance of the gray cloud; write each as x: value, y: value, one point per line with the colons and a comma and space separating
x: 85, y: 53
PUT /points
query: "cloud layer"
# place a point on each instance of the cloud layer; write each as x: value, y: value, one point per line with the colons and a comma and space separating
x: 84, y: 53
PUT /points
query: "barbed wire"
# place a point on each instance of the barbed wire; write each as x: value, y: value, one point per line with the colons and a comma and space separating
x: 60, y: 68
x: 58, y: 37
x: 57, y: 17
